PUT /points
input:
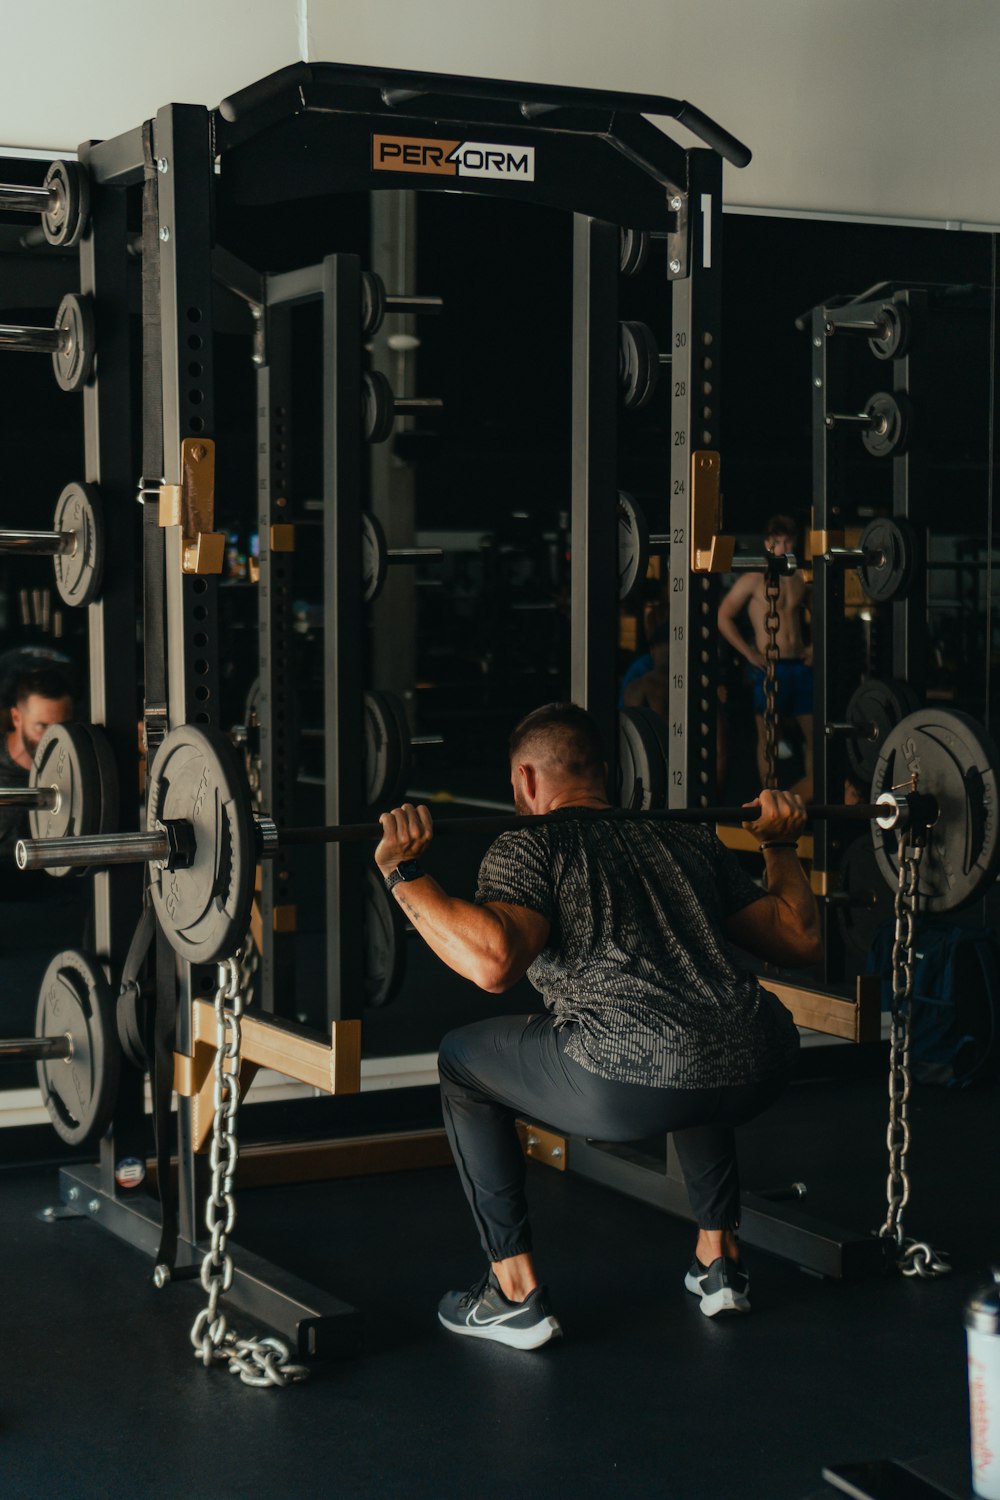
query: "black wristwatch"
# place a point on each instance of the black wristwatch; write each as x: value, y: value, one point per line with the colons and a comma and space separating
x: 409, y: 869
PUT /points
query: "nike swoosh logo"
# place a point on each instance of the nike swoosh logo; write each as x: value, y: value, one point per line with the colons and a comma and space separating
x: 475, y: 1322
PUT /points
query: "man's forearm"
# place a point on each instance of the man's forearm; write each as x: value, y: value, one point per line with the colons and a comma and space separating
x: 787, y: 883
x: 470, y: 939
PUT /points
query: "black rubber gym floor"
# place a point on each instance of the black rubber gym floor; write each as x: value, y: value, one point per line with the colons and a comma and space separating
x: 102, y: 1396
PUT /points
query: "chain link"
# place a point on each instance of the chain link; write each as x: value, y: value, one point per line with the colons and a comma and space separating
x: 772, y: 624
x: 257, y: 1361
x: 915, y: 1257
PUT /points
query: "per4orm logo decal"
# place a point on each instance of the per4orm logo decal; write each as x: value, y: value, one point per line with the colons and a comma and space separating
x: 415, y: 153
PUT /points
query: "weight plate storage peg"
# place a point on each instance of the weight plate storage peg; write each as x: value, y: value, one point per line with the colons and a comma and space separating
x: 384, y: 942
x: 83, y: 778
x: 890, y: 543
x: 633, y: 545
x: 876, y: 708
x: 79, y: 1091
x: 73, y: 361
x: 955, y: 762
x: 63, y: 222
x: 387, y: 749
x: 204, y: 904
x: 80, y: 568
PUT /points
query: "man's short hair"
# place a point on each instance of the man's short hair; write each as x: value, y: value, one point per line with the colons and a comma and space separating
x: 781, y: 526
x: 563, y: 736
x: 42, y: 682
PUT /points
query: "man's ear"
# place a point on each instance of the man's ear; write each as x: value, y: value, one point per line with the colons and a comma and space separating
x: 16, y: 718
x: 528, y: 779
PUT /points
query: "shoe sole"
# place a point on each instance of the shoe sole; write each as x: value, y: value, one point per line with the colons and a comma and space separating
x: 724, y: 1300
x: 514, y: 1338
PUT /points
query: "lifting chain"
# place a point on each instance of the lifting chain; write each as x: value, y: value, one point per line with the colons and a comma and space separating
x: 257, y: 1361
x: 772, y: 624
x: 915, y: 1257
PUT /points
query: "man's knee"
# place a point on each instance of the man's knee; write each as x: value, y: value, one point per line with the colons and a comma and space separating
x: 458, y: 1051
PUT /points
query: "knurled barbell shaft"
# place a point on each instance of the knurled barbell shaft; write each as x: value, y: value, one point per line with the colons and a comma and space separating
x: 138, y: 848
x: 39, y: 543
x: 35, y: 1048
x: 33, y: 340
x: 41, y: 798
x: 18, y: 198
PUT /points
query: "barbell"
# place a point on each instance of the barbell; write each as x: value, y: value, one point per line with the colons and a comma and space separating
x: 937, y: 777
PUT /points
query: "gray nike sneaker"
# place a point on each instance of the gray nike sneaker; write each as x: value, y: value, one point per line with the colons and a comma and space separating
x: 723, y: 1286
x: 483, y: 1312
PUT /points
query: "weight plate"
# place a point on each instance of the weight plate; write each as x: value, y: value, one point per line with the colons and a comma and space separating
x: 374, y: 559
x: 889, y: 432
x: 64, y: 222
x: 638, y: 364
x: 642, y: 763
x: 894, y: 540
x: 107, y: 779
x: 633, y: 250
x: 633, y: 545
x: 387, y: 749
x: 204, y: 910
x: 79, y: 1091
x: 67, y: 760
x: 75, y: 361
x: 861, y: 878
x: 378, y: 409
x: 876, y: 708
x: 79, y: 573
x: 955, y: 760
x: 372, y: 302
x: 131, y: 1021
x: 383, y: 935
x: 894, y: 342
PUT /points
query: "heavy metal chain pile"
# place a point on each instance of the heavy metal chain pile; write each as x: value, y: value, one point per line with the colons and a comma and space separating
x: 772, y: 623
x: 915, y: 1257
x: 257, y: 1361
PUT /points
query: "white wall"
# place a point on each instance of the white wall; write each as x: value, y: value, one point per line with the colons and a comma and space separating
x: 872, y: 107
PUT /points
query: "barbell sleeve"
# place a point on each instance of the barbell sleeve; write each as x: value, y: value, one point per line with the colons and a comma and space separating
x: 102, y: 850
x: 35, y: 1048
x: 39, y: 798
x: 39, y: 543
x: 32, y: 340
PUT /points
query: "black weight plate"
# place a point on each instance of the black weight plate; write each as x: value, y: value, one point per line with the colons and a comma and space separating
x: 642, y: 765
x: 374, y: 557
x: 876, y: 708
x: 131, y: 1020
x: 889, y: 433
x: 633, y: 250
x: 79, y: 1092
x: 204, y: 911
x: 378, y: 409
x: 65, y: 221
x: 66, y: 760
x: 895, y: 340
x: 638, y: 364
x: 956, y: 762
x: 633, y: 545
x: 79, y: 573
x: 74, y: 363
x: 861, y: 877
x: 892, y: 577
x: 385, y: 952
x: 372, y: 302
x: 387, y: 749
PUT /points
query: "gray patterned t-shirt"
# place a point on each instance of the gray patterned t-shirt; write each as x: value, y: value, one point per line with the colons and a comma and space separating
x: 637, y: 961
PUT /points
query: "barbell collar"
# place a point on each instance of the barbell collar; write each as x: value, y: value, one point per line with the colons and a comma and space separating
x: 32, y: 340
x: 39, y: 798
x: 18, y: 198
x: 39, y: 543
x: 35, y: 1048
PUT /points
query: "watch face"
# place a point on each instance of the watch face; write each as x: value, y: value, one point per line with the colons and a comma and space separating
x: 409, y: 869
